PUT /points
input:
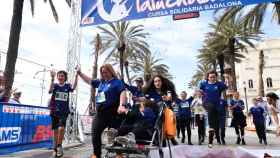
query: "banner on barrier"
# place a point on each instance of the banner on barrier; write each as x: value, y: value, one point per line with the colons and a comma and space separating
x: 24, y: 127
x: 95, y: 12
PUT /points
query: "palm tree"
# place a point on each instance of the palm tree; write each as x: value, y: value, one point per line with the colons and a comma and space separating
x: 199, y: 74
x: 125, y: 41
x: 149, y: 65
x: 98, y: 50
x: 15, y: 30
x: 254, y: 16
x: 260, y: 72
x: 229, y: 38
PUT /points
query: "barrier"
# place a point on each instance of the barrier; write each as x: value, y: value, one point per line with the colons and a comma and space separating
x: 24, y: 127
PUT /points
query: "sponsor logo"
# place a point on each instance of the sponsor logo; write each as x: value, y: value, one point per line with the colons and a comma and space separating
x: 9, y: 134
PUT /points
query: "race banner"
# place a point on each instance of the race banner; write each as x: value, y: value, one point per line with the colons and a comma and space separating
x: 24, y: 127
x: 96, y: 12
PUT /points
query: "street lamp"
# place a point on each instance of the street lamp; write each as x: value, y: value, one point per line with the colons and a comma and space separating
x: 43, y: 82
x: 245, y: 93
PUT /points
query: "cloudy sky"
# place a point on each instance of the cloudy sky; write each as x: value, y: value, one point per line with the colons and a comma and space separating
x: 45, y: 42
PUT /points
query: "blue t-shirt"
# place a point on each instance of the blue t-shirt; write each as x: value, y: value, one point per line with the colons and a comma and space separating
x: 258, y: 114
x: 185, y: 108
x: 149, y: 116
x: 239, y: 106
x: 176, y: 108
x: 60, y: 95
x: 223, y: 108
x: 108, y: 93
x: 212, y: 92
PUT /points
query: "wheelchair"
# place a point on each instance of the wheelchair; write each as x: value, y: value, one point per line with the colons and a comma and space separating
x: 143, y: 147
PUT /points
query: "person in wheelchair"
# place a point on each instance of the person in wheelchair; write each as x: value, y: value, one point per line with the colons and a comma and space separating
x: 142, y: 128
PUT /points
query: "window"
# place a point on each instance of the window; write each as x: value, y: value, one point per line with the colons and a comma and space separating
x: 250, y: 82
x: 269, y: 82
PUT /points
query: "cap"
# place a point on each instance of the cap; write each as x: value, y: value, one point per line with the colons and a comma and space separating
x: 139, y: 79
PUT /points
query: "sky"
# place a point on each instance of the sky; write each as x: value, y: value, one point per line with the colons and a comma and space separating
x: 45, y: 42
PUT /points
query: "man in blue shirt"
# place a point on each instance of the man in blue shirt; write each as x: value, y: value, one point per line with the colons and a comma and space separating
x: 212, y: 90
x: 259, y: 121
x: 185, y: 116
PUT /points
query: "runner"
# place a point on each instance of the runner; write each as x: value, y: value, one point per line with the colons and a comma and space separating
x: 200, y: 114
x: 212, y: 93
x: 239, y: 119
x: 59, y: 106
x: 257, y: 113
x: 111, y: 96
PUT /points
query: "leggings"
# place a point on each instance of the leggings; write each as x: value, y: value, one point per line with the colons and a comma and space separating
x: 260, y: 128
x: 102, y: 120
x: 186, y: 122
x: 200, y: 121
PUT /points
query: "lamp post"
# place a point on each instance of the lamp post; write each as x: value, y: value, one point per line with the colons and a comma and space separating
x: 245, y: 93
x: 43, y: 82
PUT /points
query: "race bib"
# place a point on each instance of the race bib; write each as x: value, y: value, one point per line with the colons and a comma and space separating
x: 185, y: 105
x: 61, y: 96
x: 100, y: 98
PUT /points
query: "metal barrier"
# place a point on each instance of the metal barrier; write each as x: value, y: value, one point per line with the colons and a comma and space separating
x: 24, y: 127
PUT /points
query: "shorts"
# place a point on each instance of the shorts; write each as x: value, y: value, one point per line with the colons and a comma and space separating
x: 58, y: 122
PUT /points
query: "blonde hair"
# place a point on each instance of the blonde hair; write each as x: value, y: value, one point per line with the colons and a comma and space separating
x: 109, y: 68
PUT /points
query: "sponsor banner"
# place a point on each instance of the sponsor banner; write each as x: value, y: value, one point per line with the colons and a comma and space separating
x: 24, y: 127
x: 95, y: 12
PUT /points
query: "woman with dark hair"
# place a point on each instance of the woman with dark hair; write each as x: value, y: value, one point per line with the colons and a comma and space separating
x: 160, y: 89
x: 110, y: 98
x: 272, y: 100
x: 212, y: 89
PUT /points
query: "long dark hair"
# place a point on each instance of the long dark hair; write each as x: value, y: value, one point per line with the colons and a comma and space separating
x: 272, y: 96
x: 167, y: 85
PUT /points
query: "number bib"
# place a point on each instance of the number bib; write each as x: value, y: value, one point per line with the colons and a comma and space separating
x: 100, y: 97
x: 61, y: 96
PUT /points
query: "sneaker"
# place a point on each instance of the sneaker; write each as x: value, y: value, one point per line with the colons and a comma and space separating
x: 127, y: 140
x: 223, y: 142
x: 54, y: 153
x: 210, y: 145
x: 59, y: 152
x: 183, y: 140
x: 265, y: 142
x: 111, y: 134
x: 238, y: 140
x: 243, y: 141
x: 190, y: 143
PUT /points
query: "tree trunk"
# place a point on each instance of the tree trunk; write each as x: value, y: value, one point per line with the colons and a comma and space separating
x: 232, y: 63
x: 221, y: 62
x: 13, y: 46
x: 121, y: 50
x: 94, y: 75
x: 127, y: 72
x: 260, y: 74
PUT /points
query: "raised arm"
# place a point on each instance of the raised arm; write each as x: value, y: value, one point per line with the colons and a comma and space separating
x: 84, y: 77
x: 75, y: 82
x: 52, y: 80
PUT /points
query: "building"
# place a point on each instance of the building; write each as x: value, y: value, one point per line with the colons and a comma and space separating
x: 247, y: 70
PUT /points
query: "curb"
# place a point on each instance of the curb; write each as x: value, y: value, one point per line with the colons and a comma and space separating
x: 38, y: 153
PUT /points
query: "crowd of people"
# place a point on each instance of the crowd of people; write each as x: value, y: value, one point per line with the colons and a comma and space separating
x: 128, y: 121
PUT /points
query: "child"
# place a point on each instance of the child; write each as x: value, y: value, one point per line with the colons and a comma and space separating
x: 199, y: 113
x: 59, y: 106
x: 185, y: 116
x: 239, y: 119
x: 259, y: 121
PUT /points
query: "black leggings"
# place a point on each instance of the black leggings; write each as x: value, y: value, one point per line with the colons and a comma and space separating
x: 260, y: 129
x: 101, y: 121
x: 241, y: 133
x: 186, y: 122
x: 213, y: 116
x: 200, y: 122
x: 141, y: 130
